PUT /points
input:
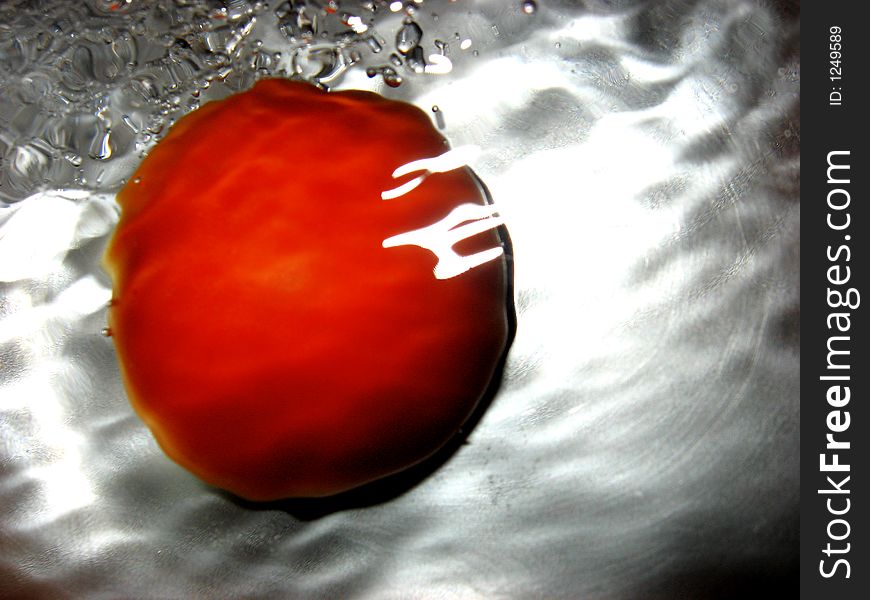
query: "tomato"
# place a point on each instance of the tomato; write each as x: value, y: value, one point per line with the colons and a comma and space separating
x: 271, y: 336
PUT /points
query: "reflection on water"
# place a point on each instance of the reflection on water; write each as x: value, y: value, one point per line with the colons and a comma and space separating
x: 644, y: 440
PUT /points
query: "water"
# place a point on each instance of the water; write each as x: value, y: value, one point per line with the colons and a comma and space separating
x: 644, y: 439
x: 89, y: 87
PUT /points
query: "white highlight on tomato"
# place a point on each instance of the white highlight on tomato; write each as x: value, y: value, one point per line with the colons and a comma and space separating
x: 463, y: 222
x: 452, y: 159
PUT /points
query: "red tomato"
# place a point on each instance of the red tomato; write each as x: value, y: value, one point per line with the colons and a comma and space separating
x: 267, y: 337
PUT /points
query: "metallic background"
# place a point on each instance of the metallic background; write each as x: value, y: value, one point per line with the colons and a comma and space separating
x: 644, y: 440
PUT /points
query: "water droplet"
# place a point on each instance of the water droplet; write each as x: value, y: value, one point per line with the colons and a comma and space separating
x: 128, y: 121
x: 374, y: 44
x: 409, y: 37
x: 101, y: 145
x: 238, y: 9
x: 416, y: 61
x: 296, y: 22
x: 73, y: 158
x: 391, y: 78
x: 144, y: 86
x: 318, y: 64
x: 530, y: 7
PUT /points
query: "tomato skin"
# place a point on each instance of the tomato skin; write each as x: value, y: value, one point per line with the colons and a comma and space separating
x: 272, y: 344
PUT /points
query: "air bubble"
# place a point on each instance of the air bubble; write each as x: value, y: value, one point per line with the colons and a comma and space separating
x: 530, y: 7
x: 439, y: 117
